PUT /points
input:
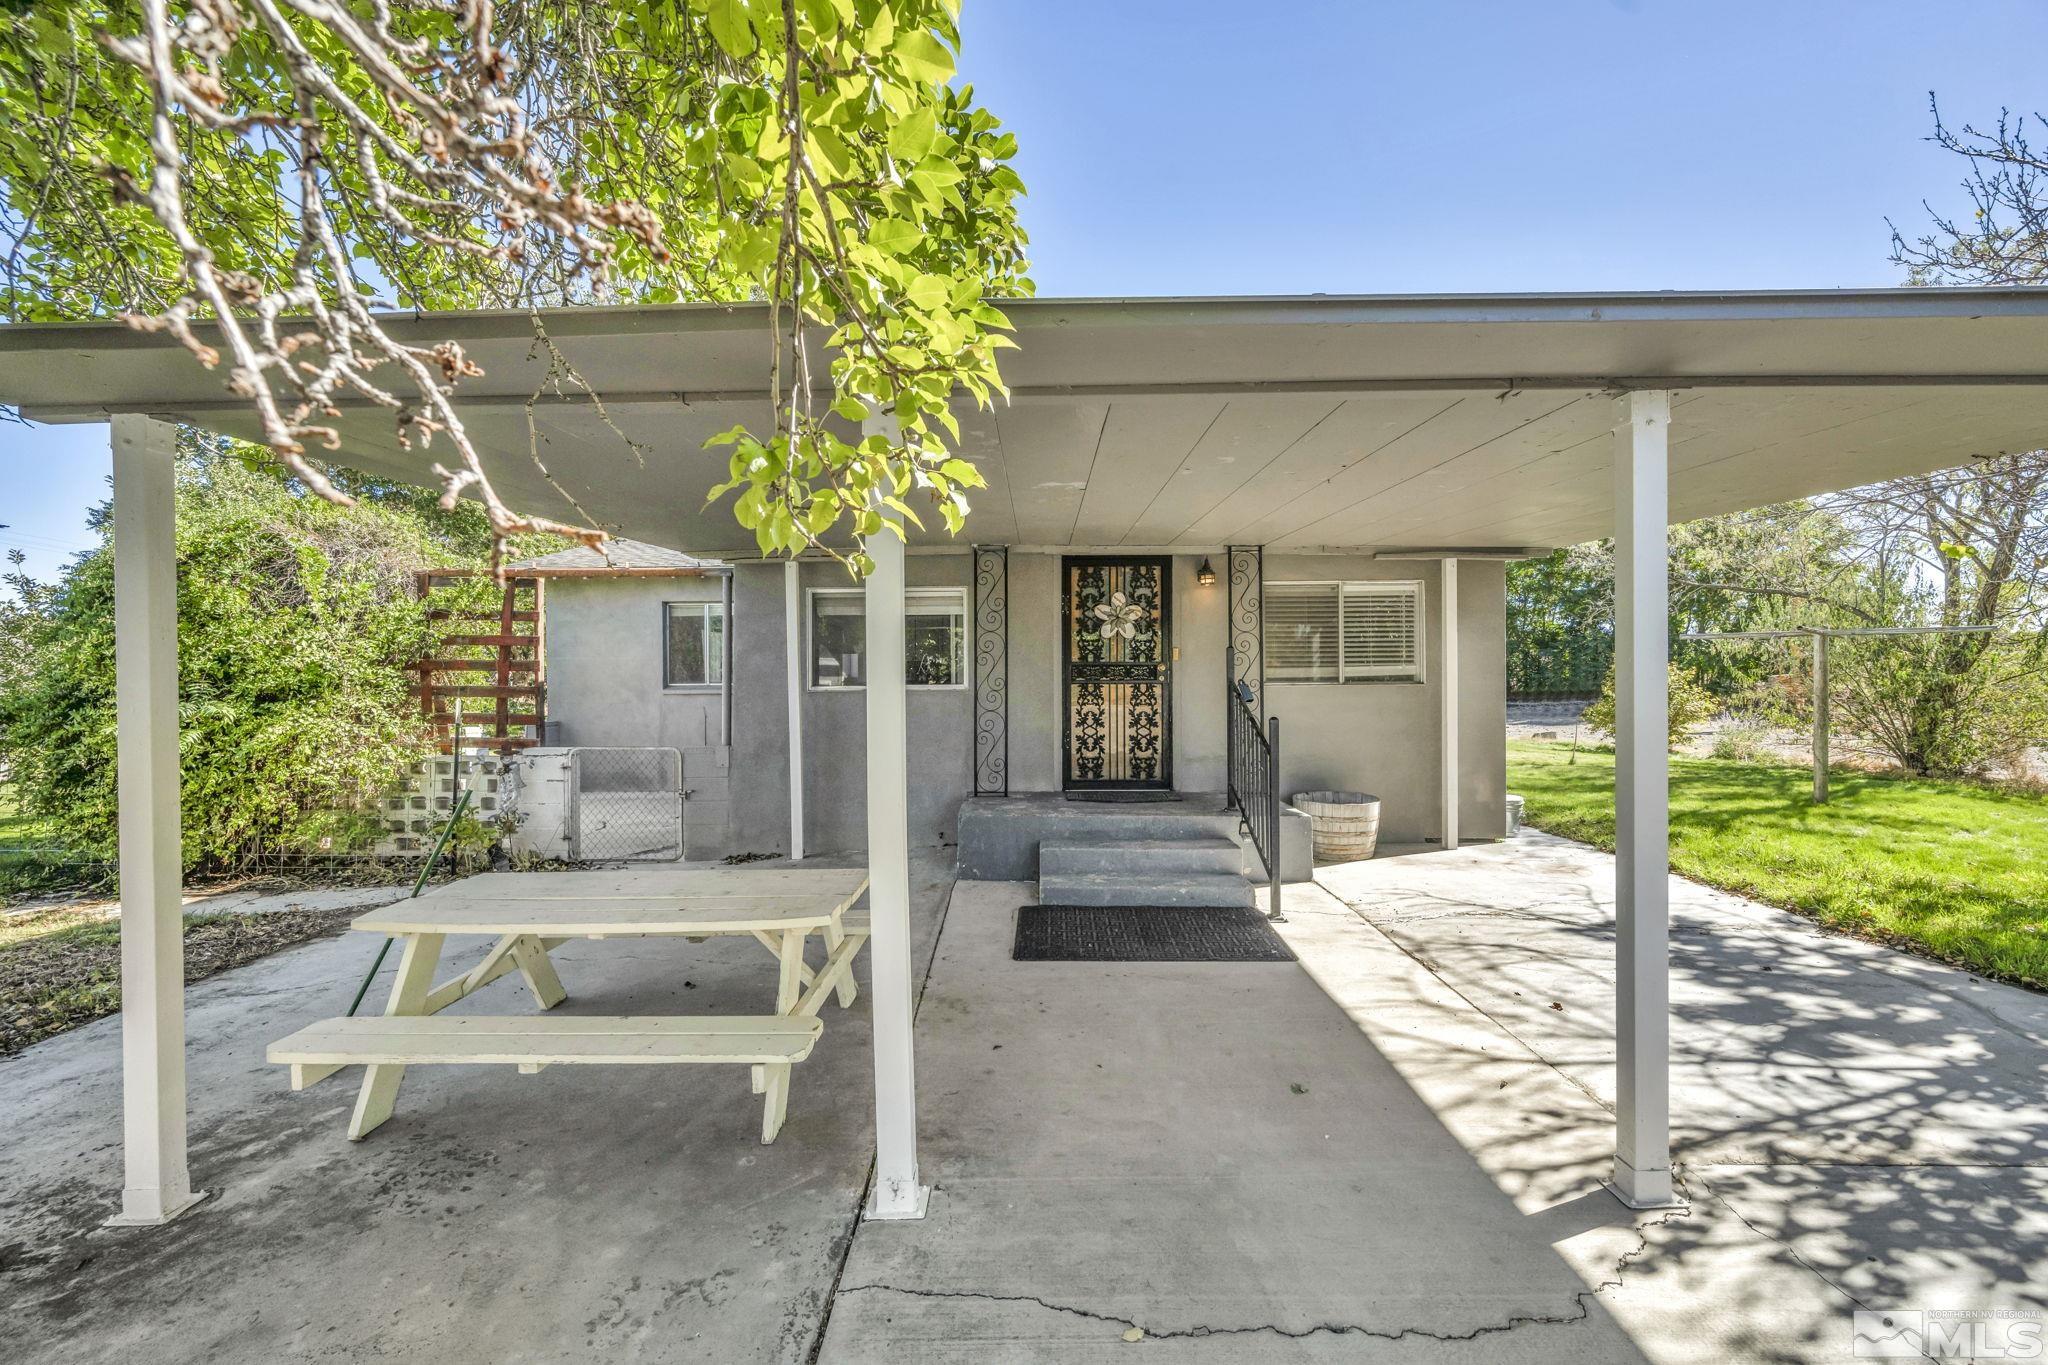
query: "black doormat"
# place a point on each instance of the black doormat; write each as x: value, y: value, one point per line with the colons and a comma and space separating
x: 1145, y: 933
x: 1114, y: 797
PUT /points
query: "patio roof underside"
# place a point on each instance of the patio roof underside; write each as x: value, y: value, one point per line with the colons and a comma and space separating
x: 1308, y: 423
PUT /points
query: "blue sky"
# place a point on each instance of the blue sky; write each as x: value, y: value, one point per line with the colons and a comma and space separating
x: 1204, y: 147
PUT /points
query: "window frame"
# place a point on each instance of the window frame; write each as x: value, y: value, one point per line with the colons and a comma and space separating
x: 706, y: 609
x: 1418, y: 587
x: 957, y: 595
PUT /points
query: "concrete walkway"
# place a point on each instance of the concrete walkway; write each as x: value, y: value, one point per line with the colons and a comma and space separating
x: 1210, y: 1154
x: 1394, y: 1150
x: 1857, y: 1128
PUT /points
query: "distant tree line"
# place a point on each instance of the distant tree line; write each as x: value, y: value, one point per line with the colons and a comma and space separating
x: 1962, y: 547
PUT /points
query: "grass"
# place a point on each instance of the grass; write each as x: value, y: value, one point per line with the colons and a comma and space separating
x: 60, y: 968
x: 1946, y: 869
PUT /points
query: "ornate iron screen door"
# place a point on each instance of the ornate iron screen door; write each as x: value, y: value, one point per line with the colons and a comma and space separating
x: 1117, y: 684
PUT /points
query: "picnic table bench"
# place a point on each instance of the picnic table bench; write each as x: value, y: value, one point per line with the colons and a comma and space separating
x: 530, y: 914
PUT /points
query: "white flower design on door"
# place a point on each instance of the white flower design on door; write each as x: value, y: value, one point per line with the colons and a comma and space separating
x: 1119, y: 616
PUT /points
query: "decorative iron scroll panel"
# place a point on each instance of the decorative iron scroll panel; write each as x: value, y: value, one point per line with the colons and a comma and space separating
x: 1117, y: 680
x: 1247, y: 662
x: 991, y: 670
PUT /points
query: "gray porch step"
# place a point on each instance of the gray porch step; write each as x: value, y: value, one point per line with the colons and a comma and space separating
x: 1163, y: 858
x: 1128, y: 888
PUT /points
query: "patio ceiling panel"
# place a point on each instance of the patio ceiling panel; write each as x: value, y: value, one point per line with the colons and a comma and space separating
x: 992, y: 511
x: 1358, y: 428
x: 1414, y: 512
x: 1475, y: 421
x: 1249, y: 433
x: 1048, y: 449
x: 1820, y: 441
x: 1140, y: 445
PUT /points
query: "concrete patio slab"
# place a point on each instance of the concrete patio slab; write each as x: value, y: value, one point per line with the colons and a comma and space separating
x: 584, y: 1213
x: 1389, y: 1150
x: 1208, y: 1153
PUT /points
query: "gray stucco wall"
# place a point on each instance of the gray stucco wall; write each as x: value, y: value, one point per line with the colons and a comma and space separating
x: 604, y: 644
x: 835, y: 737
x: 1383, y: 738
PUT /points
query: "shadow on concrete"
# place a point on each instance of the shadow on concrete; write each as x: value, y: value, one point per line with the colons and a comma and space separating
x: 1857, y: 1128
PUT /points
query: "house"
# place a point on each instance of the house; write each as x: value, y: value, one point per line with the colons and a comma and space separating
x: 648, y: 646
x: 1352, y: 470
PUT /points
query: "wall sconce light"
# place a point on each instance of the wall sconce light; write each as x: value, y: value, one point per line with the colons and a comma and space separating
x: 1205, y: 575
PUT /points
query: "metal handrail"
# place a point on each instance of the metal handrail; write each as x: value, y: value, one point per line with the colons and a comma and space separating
x: 1254, y: 781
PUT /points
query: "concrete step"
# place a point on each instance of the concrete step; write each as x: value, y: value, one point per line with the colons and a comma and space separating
x: 1126, y: 888
x: 1163, y: 858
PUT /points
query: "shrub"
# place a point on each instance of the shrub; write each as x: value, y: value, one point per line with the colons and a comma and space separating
x: 1691, y: 705
x: 1745, y: 739
x: 296, y: 623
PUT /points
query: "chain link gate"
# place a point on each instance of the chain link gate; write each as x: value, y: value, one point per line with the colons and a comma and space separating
x: 625, y: 804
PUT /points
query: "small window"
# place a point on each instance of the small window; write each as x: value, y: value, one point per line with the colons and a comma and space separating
x: 1343, y: 632
x: 694, y: 652
x: 935, y: 637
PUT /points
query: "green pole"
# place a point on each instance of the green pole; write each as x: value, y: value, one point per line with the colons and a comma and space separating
x: 426, y: 871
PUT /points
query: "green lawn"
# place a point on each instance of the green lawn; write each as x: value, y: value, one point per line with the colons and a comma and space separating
x: 1947, y: 869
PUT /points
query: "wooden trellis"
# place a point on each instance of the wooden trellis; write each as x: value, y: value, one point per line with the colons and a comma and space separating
x: 490, y: 663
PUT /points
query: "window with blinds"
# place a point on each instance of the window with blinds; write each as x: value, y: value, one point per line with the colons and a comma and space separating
x: 1343, y: 632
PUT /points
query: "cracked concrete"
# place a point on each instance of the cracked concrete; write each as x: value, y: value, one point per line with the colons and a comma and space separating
x: 1123, y: 1145
x: 1119, y: 1147
x: 1857, y: 1128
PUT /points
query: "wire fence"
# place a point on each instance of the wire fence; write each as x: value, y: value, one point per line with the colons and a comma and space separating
x: 625, y: 804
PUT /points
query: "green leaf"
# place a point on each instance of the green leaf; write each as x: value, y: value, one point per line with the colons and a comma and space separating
x: 929, y: 291
x: 923, y: 57
x: 732, y: 27
x: 912, y: 137
x: 894, y: 235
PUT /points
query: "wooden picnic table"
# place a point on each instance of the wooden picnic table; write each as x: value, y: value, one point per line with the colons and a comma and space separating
x: 530, y: 914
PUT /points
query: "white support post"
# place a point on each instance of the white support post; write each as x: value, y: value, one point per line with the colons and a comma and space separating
x: 793, y: 635
x: 157, y: 1186
x: 1448, y: 725
x: 898, y: 1194
x: 1642, y: 798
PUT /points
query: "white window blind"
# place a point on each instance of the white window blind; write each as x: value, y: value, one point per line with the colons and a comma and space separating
x: 1343, y: 632
x: 1301, y: 632
x: 1382, y: 631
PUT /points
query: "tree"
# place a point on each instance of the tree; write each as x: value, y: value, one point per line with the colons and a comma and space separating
x: 297, y: 621
x: 2005, y: 238
x: 1560, y: 619
x: 1962, y: 547
x: 1689, y: 706
x: 279, y: 167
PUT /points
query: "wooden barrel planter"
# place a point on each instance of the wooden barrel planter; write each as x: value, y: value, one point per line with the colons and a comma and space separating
x: 1344, y: 826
